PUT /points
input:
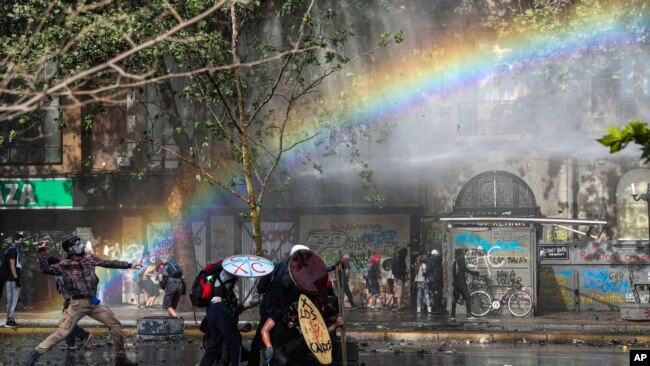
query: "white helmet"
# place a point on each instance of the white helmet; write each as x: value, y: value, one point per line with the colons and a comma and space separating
x: 435, y: 252
x: 298, y: 247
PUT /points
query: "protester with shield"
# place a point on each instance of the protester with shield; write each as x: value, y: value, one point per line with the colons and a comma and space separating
x: 224, y: 308
x: 303, y: 274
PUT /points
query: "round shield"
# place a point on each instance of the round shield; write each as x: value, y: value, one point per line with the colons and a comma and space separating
x: 247, y: 266
x: 314, y: 330
x: 387, y: 264
x: 308, y: 271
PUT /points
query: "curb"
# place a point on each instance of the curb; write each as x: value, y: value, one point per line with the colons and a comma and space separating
x: 412, y: 336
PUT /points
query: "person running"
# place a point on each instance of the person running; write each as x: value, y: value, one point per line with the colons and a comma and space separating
x: 459, y: 268
x: 80, y: 280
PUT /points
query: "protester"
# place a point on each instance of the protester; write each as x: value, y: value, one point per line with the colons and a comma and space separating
x: 222, y: 314
x: 436, y: 280
x: 151, y: 288
x: 80, y: 280
x: 459, y: 268
x: 10, y: 275
x: 284, y: 344
x: 389, y: 295
x: 346, y: 279
x: 77, y: 331
x: 374, y: 278
x: 401, y: 275
x: 421, y: 284
x: 170, y: 278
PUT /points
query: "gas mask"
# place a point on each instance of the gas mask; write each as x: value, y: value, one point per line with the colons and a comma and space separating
x: 78, y: 248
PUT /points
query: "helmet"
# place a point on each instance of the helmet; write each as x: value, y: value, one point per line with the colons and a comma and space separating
x: 69, y: 241
x: 298, y: 247
x: 435, y: 252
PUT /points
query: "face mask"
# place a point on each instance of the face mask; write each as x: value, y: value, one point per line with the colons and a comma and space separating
x: 78, y: 248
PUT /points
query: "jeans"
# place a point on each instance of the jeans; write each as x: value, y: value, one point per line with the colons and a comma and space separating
x: 13, y: 293
x: 423, y: 288
x: 78, y: 309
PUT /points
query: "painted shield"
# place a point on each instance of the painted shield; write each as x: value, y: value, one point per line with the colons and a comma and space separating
x: 314, y: 330
x: 247, y: 266
x: 308, y: 271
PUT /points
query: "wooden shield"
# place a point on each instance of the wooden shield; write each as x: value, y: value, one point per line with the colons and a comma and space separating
x: 314, y: 330
x: 308, y: 271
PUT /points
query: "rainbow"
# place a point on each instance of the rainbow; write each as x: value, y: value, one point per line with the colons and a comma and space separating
x: 396, y: 88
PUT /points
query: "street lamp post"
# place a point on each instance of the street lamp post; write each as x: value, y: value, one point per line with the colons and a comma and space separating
x: 644, y: 197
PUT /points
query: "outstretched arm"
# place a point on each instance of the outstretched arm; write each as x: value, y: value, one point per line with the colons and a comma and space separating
x: 51, y: 269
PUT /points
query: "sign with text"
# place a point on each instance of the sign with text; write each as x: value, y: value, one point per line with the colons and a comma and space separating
x: 247, y: 266
x: 35, y: 193
x: 314, y: 330
x: 555, y: 251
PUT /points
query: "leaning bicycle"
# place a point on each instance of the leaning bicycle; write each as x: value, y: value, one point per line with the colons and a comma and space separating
x: 519, y: 302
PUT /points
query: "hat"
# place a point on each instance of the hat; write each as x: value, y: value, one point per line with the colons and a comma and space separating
x: 345, y: 257
x: 435, y: 252
x: 17, y: 236
x: 69, y: 241
x: 298, y: 247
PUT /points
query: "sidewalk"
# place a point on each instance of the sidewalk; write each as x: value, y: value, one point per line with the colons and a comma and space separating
x: 387, y: 325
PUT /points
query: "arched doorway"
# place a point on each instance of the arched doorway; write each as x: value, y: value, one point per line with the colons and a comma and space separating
x: 496, y: 193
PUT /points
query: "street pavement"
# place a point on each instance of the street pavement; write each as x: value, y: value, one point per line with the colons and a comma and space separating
x: 387, y: 325
x: 187, y: 352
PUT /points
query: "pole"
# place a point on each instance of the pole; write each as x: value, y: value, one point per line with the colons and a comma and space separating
x: 341, y: 288
x: 644, y: 197
x: 647, y: 197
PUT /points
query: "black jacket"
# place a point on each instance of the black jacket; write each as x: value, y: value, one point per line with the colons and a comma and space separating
x: 459, y: 268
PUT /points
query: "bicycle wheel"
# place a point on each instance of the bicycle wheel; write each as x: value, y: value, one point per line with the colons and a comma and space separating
x: 520, y: 303
x: 481, y: 303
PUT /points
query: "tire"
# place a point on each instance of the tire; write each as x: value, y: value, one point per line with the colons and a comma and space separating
x: 481, y: 303
x: 520, y: 303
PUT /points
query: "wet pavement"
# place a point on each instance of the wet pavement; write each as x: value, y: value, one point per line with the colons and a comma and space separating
x: 188, y: 353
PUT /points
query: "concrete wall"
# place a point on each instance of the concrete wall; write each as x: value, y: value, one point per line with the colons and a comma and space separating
x: 595, y: 277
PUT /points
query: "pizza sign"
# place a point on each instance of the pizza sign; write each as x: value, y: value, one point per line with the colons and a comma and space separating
x: 247, y: 266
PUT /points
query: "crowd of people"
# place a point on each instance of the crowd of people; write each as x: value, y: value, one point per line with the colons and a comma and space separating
x: 278, y: 340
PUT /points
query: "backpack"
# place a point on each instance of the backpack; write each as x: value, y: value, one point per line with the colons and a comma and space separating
x: 264, y: 284
x: 173, y: 270
x: 399, y: 269
x: 203, y: 284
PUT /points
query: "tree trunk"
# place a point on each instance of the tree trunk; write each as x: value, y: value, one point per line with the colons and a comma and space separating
x: 184, y: 187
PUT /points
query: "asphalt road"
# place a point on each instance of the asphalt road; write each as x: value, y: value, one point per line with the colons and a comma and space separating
x: 188, y: 353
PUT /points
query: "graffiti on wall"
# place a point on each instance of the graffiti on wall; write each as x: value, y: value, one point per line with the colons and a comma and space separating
x: 501, y: 255
x: 359, y: 237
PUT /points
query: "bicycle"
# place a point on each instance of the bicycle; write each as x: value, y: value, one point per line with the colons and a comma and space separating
x: 519, y: 302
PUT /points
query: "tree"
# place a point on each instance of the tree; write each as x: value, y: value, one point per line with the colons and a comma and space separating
x: 619, y: 137
x: 251, y: 88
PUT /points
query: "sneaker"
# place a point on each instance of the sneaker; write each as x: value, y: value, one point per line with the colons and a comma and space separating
x: 11, y: 324
x: 471, y: 318
x: 124, y: 362
x: 83, y: 341
x: 31, y: 359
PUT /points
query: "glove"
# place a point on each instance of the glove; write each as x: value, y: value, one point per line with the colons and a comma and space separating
x: 18, y: 282
x: 267, y: 353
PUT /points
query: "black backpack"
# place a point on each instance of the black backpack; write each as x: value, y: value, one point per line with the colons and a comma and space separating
x: 264, y: 284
